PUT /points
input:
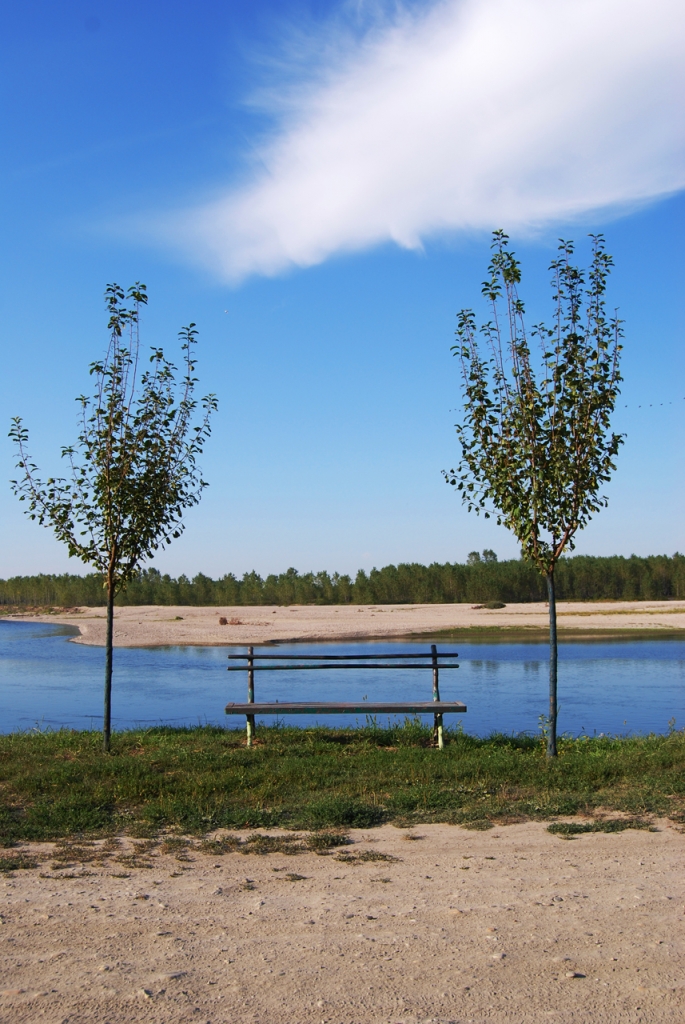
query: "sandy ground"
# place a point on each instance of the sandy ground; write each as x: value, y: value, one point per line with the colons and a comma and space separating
x: 509, y: 925
x: 155, y: 625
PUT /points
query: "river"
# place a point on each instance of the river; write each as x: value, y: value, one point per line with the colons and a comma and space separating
x: 611, y: 687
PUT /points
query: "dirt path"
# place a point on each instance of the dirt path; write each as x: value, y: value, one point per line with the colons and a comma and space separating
x: 154, y: 625
x: 509, y: 925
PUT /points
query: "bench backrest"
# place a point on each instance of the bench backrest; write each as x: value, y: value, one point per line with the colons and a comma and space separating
x: 253, y: 662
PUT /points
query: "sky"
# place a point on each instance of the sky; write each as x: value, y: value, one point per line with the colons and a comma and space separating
x: 315, y: 184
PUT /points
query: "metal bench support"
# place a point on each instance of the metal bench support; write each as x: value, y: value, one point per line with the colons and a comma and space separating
x: 437, y: 719
x: 251, y: 693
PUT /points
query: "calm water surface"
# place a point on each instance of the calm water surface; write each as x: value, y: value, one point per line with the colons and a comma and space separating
x: 604, y: 687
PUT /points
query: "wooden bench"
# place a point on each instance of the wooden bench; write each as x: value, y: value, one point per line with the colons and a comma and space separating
x: 314, y: 662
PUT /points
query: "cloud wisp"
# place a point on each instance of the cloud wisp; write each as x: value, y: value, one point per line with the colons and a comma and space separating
x: 464, y: 115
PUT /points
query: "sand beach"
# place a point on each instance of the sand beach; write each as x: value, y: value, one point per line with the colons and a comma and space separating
x: 158, y: 625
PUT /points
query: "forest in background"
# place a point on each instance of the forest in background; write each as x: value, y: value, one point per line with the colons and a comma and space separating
x: 579, y: 578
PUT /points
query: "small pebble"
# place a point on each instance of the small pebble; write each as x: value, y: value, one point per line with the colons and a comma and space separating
x: 574, y: 974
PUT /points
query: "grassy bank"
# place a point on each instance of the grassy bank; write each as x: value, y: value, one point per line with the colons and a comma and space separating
x: 540, y: 634
x: 60, y: 784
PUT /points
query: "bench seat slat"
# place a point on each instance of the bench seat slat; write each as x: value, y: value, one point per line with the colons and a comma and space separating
x: 422, y: 707
x: 338, y: 657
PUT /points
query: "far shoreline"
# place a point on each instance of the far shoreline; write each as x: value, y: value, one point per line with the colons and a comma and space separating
x: 165, y: 625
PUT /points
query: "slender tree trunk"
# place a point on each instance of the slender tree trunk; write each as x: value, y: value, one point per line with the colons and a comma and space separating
x: 107, y: 716
x: 552, y: 719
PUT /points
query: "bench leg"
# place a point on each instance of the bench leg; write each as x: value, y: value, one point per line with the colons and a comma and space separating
x: 250, y: 694
x: 437, y: 732
x: 437, y: 719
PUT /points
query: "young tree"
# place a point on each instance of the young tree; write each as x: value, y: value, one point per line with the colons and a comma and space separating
x: 535, y: 452
x: 133, y: 470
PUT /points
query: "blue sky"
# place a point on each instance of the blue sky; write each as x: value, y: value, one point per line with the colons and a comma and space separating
x: 314, y: 184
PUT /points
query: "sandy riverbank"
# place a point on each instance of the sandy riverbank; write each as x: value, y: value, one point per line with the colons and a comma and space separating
x: 157, y: 625
x: 508, y: 925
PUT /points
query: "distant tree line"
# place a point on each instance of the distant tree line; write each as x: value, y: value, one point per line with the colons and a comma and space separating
x: 482, y: 578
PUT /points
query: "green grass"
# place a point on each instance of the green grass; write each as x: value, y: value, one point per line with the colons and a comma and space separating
x: 60, y: 784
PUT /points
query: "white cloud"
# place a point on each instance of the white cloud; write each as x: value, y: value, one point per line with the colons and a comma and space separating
x: 468, y: 114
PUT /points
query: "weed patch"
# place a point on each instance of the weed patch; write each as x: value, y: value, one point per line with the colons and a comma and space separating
x: 323, y: 842
x: 365, y: 857
x: 18, y: 862
x: 568, y: 829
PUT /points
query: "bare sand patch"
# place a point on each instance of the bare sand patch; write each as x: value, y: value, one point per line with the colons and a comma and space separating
x: 155, y: 625
x: 508, y: 925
